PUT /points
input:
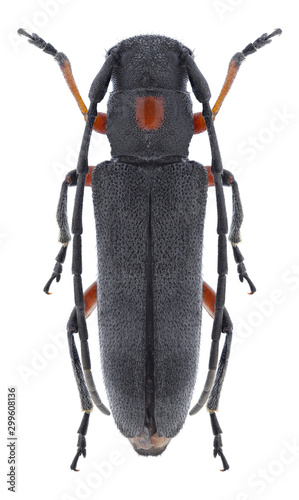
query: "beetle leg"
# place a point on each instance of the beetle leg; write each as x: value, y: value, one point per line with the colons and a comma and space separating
x: 213, y: 385
x: 65, y: 66
x: 62, y: 220
x: 86, y: 402
x: 209, y: 297
x: 234, y: 235
x: 234, y: 66
x: 90, y: 302
x: 218, y: 441
x: 202, y: 93
x: 82, y: 431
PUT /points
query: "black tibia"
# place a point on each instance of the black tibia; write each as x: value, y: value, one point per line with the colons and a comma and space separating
x: 80, y: 312
x: 81, y: 441
x: 218, y: 441
x: 72, y: 327
x: 214, y: 397
x: 213, y: 385
x: 260, y: 42
x: 64, y: 231
x: 234, y: 234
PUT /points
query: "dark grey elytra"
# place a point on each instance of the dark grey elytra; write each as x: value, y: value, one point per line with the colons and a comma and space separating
x: 149, y: 204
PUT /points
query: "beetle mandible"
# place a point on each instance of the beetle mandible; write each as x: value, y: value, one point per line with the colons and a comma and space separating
x: 149, y: 203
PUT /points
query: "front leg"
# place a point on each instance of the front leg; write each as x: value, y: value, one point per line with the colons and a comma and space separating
x: 234, y: 66
x: 65, y: 66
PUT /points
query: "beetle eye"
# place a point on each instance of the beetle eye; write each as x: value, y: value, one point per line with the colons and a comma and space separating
x: 125, y: 58
x: 173, y: 58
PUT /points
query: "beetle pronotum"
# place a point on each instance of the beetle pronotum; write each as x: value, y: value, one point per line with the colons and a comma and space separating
x: 149, y: 203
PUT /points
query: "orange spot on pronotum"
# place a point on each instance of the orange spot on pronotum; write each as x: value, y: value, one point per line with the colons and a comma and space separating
x: 149, y: 112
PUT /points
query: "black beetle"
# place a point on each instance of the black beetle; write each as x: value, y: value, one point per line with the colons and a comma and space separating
x: 149, y: 203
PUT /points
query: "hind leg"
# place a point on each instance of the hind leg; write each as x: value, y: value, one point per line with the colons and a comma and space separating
x: 214, y: 396
x: 87, y: 395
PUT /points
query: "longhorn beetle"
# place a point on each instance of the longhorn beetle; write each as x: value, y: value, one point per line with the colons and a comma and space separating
x: 149, y: 203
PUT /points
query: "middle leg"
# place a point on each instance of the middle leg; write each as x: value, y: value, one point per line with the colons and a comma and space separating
x: 234, y: 236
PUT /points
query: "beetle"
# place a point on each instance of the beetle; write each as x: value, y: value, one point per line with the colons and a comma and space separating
x: 149, y: 203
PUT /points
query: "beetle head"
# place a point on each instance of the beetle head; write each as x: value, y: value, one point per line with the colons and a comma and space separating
x: 149, y: 61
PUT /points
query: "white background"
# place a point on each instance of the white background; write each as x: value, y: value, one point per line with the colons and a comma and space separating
x: 42, y: 128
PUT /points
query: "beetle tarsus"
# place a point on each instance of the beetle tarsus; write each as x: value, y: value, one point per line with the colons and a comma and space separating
x: 81, y: 445
x: 218, y: 441
x: 57, y: 269
x: 218, y: 451
x: 239, y: 259
x: 224, y: 461
x: 81, y: 441
x: 243, y: 275
x: 38, y: 42
x: 49, y: 282
x: 251, y: 285
x: 260, y: 42
x: 73, y: 465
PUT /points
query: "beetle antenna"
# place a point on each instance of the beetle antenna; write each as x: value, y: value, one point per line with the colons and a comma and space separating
x: 77, y: 229
x: 96, y: 94
x: 222, y: 229
x: 79, y: 314
x: 202, y: 94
